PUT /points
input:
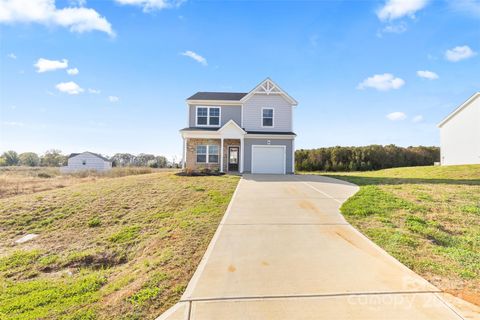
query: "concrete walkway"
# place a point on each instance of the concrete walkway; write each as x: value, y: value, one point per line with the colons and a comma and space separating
x: 283, y: 251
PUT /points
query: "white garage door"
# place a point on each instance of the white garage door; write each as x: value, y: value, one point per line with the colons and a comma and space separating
x: 268, y: 159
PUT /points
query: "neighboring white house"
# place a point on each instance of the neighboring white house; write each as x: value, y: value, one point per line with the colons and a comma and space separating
x: 460, y: 134
x: 87, y: 161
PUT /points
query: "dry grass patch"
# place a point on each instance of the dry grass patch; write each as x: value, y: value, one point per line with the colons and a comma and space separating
x: 427, y: 217
x: 15, y: 181
x: 122, y: 248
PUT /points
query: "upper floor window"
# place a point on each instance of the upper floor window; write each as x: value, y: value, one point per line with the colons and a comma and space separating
x: 208, y: 116
x: 267, y: 117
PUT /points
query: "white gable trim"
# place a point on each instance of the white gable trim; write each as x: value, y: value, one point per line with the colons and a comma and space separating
x: 230, y: 130
x: 460, y: 108
x: 269, y: 87
x: 232, y: 123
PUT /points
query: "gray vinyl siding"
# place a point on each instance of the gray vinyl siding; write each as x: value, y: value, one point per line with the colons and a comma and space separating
x: 227, y: 113
x: 282, y: 114
x: 248, y: 143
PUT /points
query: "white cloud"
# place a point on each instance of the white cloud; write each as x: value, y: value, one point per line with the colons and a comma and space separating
x: 394, y: 9
x: 430, y: 75
x: 77, y: 3
x: 396, y: 116
x: 417, y: 118
x: 13, y: 123
x: 398, y: 28
x: 113, y: 99
x: 73, y: 71
x: 469, y: 7
x: 12, y: 56
x: 94, y: 91
x: 150, y: 5
x: 459, y: 53
x: 393, y: 28
x: 195, y: 56
x: 382, y: 82
x: 77, y: 19
x: 44, y: 65
x: 69, y: 87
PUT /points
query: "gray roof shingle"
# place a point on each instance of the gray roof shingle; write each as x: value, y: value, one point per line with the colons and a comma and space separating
x: 230, y: 96
x: 249, y: 132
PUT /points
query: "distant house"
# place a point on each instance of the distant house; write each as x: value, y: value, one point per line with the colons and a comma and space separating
x: 460, y: 134
x: 87, y: 161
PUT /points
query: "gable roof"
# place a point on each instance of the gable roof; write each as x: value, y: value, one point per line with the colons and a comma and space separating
x: 92, y: 153
x: 460, y: 108
x: 268, y: 87
x: 225, y: 96
x: 231, y: 123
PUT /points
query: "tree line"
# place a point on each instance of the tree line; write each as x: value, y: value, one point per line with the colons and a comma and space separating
x: 373, y: 157
x: 55, y: 158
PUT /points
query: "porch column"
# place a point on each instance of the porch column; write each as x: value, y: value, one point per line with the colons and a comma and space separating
x: 184, y: 160
x: 221, y: 155
x: 241, y: 155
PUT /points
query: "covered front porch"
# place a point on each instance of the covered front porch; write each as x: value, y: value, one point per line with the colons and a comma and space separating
x: 221, y: 149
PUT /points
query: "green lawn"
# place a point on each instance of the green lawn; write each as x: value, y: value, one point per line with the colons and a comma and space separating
x: 119, y: 248
x: 426, y: 217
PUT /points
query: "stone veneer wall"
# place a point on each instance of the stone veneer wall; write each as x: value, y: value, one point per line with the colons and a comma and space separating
x: 192, y: 153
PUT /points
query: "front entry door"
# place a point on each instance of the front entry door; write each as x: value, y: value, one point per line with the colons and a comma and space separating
x: 232, y: 158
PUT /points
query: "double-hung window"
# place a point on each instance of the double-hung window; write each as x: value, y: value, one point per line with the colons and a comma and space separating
x: 201, y: 154
x: 212, y: 154
x: 208, y: 116
x: 202, y: 116
x: 207, y: 154
x: 267, y: 117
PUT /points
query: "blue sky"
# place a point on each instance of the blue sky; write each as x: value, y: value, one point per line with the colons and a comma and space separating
x: 352, y: 65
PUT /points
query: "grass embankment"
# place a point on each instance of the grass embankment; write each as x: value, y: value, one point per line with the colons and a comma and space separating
x: 120, y: 248
x: 15, y: 181
x: 426, y: 217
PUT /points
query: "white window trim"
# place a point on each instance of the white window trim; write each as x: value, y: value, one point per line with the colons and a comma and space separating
x: 208, y: 117
x: 273, y: 117
x: 207, y: 154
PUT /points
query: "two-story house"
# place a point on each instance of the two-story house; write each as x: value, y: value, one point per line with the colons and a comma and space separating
x: 241, y: 132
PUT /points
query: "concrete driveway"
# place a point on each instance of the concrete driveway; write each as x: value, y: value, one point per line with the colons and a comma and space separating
x: 283, y: 251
